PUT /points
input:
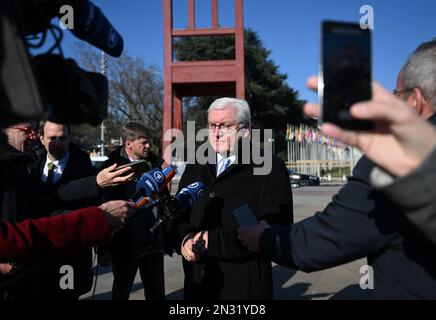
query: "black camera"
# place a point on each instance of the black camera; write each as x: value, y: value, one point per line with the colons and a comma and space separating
x: 49, y: 85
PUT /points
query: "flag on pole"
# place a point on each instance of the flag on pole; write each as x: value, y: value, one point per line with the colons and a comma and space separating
x: 308, y: 135
x: 300, y: 134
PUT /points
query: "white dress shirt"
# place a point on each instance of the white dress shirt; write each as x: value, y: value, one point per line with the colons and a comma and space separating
x: 60, y: 168
x: 222, y: 163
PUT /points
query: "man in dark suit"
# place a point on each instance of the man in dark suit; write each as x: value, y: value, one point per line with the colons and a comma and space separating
x: 135, y: 247
x: 67, y: 181
x: 65, y: 172
x: 359, y: 222
x: 215, y: 264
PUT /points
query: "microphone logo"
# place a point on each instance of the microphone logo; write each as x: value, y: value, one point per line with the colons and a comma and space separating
x: 159, y: 176
x: 150, y: 185
x: 193, y: 185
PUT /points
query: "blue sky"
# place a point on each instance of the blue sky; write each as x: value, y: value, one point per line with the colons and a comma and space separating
x: 290, y: 29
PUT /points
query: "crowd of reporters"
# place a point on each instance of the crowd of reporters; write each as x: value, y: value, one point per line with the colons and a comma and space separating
x: 47, y: 177
x: 55, y: 206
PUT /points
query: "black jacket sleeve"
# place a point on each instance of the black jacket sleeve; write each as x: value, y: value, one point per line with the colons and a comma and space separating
x: 416, y: 195
x: 79, y: 190
x: 84, y: 189
x: 346, y: 230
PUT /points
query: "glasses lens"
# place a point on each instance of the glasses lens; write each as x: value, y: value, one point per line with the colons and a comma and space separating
x: 223, y: 128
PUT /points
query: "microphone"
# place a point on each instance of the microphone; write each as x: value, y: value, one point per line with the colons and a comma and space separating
x: 190, y: 194
x: 149, y: 186
x: 184, y: 200
x: 92, y: 26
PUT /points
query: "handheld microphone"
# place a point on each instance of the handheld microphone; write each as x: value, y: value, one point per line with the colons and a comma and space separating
x: 149, y: 186
x: 190, y: 194
x: 184, y: 200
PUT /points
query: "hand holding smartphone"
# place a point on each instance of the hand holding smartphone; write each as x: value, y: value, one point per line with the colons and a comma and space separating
x: 344, y: 73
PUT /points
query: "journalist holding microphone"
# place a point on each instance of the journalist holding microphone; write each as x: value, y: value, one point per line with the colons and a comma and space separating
x: 134, y: 247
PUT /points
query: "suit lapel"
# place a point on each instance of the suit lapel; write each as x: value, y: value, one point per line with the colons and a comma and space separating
x: 41, y: 165
x: 212, y: 169
x: 66, y: 171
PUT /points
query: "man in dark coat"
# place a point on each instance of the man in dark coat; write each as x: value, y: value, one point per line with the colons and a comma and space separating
x: 18, y: 199
x: 359, y: 222
x: 67, y: 181
x: 134, y: 247
x: 215, y: 264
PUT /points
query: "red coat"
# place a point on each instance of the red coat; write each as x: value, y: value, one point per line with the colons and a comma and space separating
x: 40, y: 238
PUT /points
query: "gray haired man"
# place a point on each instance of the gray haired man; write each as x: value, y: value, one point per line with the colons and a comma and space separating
x: 215, y: 264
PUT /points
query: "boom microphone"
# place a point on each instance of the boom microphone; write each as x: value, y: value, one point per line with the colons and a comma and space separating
x: 91, y: 25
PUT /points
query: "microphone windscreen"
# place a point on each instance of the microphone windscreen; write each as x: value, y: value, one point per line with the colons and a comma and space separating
x: 169, y: 173
x: 190, y: 194
x: 92, y: 26
x: 151, y: 182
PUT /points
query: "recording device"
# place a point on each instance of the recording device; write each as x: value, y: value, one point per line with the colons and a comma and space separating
x: 244, y: 216
x: 149, y: 186
x: 173, y: 207
x: 137, y: 166
x: 91, y: 25
x: 49, y: 85
x: 344, y: 73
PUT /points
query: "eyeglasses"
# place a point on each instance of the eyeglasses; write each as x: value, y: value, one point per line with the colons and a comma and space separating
x: 396, y: 92
x: 223, y: 128
x: 29, y: 131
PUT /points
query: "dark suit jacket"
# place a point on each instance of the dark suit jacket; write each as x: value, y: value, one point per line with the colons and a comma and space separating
x: 357, y: 223
x: 18, y: 199
x: 77, y: 188
x: 228, y: 270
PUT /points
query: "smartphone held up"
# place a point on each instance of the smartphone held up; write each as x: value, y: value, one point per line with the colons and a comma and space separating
x: 344, y: 73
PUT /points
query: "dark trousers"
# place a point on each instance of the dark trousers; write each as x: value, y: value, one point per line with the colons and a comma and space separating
x: 151, y: 269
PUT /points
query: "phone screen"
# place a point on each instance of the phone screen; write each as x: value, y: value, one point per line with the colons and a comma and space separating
x: 137, y: 166
x: 345, y: 72
x: 244, y: 216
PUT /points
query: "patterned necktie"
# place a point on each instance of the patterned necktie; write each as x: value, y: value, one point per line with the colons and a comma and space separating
x: 50, y: 176
x: 225, y: 164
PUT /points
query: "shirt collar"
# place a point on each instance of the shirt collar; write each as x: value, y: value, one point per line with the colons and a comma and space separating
x: 220, y: 158
x: 60, y: 163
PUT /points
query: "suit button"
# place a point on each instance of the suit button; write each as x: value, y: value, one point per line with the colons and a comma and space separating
x: 212, y: 195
